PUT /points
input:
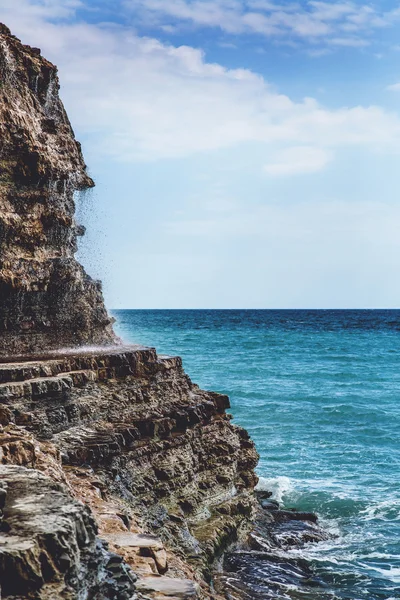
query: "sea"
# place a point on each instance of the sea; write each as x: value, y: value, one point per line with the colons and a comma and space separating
x: 319, y: 392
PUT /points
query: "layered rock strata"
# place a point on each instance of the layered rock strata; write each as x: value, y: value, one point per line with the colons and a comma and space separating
x: 47, y: 300
x: 150, y: 437
x: 142, y: 445
x: 49, y: 546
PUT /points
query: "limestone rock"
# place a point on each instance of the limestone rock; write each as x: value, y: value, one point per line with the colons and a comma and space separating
x: 19, y: 447
x: 150, y: 437
x: 143, y: 545
x: 168, y: 587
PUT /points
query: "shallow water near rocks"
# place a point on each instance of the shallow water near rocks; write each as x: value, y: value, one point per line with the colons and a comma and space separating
x: 319, y: 392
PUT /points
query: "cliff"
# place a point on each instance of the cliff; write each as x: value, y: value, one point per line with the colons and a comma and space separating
x: 143, y: 446
x: 119, y: 435
x: 47, y: 301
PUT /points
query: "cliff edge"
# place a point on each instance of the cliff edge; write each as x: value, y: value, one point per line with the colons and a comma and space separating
x: 117, y: 435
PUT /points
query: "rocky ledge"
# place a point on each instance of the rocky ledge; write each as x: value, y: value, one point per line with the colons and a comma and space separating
x: 166, y: 474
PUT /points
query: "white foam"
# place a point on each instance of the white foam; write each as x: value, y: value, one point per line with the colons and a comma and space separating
x: 393, y: 573
x: 278, y: 486
x: 388, y: 510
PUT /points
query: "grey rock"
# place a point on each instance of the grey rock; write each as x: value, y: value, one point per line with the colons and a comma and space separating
x: 49, y: 546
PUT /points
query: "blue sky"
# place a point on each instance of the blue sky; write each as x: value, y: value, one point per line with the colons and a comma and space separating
x: 246, y: 152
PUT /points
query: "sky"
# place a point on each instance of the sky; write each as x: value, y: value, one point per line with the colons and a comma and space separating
x: 246, y: 153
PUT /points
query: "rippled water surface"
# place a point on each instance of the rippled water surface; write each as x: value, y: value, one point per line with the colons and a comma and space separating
x: 319, y: 391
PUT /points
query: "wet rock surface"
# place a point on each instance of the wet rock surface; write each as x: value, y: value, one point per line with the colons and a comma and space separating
x: 269, y: 565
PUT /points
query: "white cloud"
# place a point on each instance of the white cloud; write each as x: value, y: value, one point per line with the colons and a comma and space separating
x: 395, y: 87
x: 326, y: 11
x: 298, y: 160
x: 139, y: 99
x: 42, y: 9
x: 323, y: 22
x: 351, y: 42
x: 277, y: 243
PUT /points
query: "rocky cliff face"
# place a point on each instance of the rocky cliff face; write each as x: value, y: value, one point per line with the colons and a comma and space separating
x: 146, y: 448
x: 46, y: 299
x: 155, y: 459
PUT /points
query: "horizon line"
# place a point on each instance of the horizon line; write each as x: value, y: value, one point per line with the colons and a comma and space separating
x: 264, y: 309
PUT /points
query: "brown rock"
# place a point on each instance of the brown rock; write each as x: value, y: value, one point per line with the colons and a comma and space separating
x: 124, y: 428
x: 46, y: 298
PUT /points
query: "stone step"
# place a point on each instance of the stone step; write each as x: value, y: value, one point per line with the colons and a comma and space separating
x: 107, y: 363
x: 143, y: 545
x: 135, y: 540
x: 35, y: 389
x: 169, y: 587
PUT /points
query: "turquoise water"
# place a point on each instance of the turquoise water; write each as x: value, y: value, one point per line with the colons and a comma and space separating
x: 319, y: 392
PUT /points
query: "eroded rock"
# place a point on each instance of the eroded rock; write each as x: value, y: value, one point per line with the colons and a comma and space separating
x: 47, y: 301
x: 167, y: 475
x: 149, y: 438
x: 49, y: 546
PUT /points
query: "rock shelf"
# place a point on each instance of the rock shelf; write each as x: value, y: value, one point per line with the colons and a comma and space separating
x: 155, y: 453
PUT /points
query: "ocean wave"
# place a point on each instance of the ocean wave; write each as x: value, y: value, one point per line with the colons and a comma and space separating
x: 388, y: 510
x: 279, y: 487
x: 391, y: 573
